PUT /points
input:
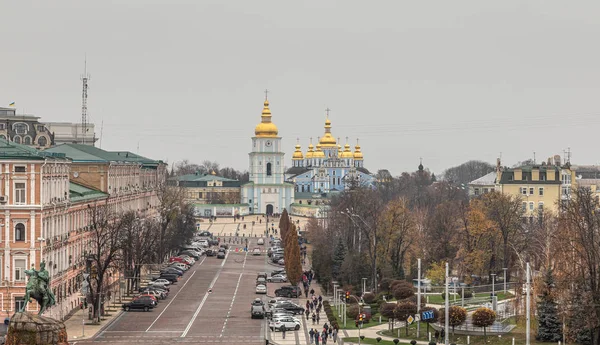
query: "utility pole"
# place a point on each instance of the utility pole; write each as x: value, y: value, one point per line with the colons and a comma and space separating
x: 528, y: 326
x: 419, y: 297
x: 447, y: 309
x: 84, y: 120
x: 505, y: 279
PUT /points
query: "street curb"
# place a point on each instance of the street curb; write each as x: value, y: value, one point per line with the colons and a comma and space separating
x: 109, y: 323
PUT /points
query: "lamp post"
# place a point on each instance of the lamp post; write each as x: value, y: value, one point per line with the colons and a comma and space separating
x: 359, y: 325
x: 446, y: 309
x: 505, y: 269
x: 364, y: 280
x: 527, y: 326
x: 493, y: 284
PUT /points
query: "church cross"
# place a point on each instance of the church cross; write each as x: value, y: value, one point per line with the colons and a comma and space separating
x: 266, y: 94
x: 327, y: 112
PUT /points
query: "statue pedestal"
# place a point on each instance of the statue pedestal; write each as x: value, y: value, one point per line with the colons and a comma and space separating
x: 32, y: 329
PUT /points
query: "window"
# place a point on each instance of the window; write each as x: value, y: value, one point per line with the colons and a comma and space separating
x: 42, y: 141
x: 541, y: 190
x: 476, y: 191
x: 20, y: 193
x: 20, y: 168
x: 268, y: 169
x: 524, y: 206
x: 40, y: 128
x: 20, y: 128
x: 531, y: 191
x: 20, y: 232
x: 541, y: 206
x: 199, y: 195
x: 17, y: 139
x: 2, y: 126
x: 524, y: 190
x: 485, y: 191
x: 531, y: 206
x: 20, y: 269
x: 27, y: 140
x: 19, y: 303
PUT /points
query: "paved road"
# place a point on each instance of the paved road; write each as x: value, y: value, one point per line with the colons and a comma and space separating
x: 193, y: 315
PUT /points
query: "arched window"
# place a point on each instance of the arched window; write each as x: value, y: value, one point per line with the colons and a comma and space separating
x: 20, y: 232
x: 17, y: 139
x: 268, y: 169
x: 42, y: 141
x: 2, y: 136
x: 27, y: 140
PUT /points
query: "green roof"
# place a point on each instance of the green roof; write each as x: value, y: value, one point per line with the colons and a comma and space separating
x: 11, y: 150
x: 87, y: 153
x: 78, y: 193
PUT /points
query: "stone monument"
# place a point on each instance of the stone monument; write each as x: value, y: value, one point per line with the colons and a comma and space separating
x: 29, y: 329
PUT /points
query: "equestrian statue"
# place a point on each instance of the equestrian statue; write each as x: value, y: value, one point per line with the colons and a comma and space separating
x: 38, y: 288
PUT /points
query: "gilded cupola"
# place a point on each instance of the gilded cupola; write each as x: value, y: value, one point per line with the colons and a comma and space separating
x: 298, y: 153
x: 357, y: 153
x: 266, y: 128
x: 311, y: 152
x: 319, y: 153
x: 347, y: 152
x: 327, y: 140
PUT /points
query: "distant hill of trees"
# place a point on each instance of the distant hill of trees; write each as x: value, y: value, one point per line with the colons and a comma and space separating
x: 467, y: 172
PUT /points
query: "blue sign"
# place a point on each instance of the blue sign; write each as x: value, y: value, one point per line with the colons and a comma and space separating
x: 427, y: 315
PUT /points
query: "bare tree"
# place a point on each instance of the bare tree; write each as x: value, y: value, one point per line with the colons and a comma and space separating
x: 139, y: 244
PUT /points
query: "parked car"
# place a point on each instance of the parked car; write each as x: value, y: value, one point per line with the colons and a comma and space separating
x: 151, y: 299
x: 224, y: 246
x: 278, y: 271
x: 289, y: 306
x: 172, y: 270
x: 190, y: 253
x: 157, y: 294
x: 142, y: 304
x: 257, y: 301
x: 261, y: 275
x: 221, y: 255
x: 177, y: 259
x: 205, y: 233
x: 290, y: 291
x: 203, y: 243
x: 258, y: 311
x: 281, y: 261
x: 277, y: 278
x: 261, y: 289
x: 163, y: 282
x: 173, y: 278
x: 256, y: 251
x: 260, y: 241
x: 285, y: 323
x: 211, y: 252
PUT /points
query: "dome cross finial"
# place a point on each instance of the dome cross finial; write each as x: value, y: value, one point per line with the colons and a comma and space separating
x: 266, y: 94
x: 327, y: 110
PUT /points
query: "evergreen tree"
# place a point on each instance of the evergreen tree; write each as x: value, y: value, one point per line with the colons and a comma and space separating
x: 433, y: 178
x: 339, y: 254
x: 293, y: 266
x: 284, y: 224
x: 549, y: 325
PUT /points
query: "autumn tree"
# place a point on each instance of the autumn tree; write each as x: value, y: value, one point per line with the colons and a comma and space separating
x: 284, y: 224
x: 403, y: 310
x: 437, y: 273
x: 456, y: 316
x: 397, y: 229
x: 483, y: 317
x: 293, y: 266
x: 402, y: 290
x: 387, y: 310
x: 468, y: 171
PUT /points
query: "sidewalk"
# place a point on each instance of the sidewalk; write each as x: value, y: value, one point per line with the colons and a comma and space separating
x: 374, y: 332
x: 79, y: 326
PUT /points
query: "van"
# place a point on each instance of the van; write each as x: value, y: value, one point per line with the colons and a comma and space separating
x: 290, y: 291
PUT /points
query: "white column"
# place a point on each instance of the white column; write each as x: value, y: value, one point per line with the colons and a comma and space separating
x: 32, y: 200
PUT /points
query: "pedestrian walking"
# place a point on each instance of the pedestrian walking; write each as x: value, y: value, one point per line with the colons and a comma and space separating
x: 312, y: 335
x: 307, y: 312
x: 317, y: 338
x: 312, y: 291
x: 443, y: 335
x: 306, y: 291
x: 324, y: 338
x: 320, y: 299
x: 314, y: 318
x: 283, y: 331
x: 318, y: 318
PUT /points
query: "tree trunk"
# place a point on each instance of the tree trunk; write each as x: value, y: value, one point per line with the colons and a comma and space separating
x: 484, y: 335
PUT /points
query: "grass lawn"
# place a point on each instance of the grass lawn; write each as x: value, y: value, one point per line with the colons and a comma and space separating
x: 518, y: 333
x: 350, y: 323
x: 437, y: 298
x: 370, y: 341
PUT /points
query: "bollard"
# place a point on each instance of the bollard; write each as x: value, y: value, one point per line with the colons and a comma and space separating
x: 430, y: 337
x: 380, y: 320
x: 559, y: 342
x: 468, y: 339
x: 513, y: 342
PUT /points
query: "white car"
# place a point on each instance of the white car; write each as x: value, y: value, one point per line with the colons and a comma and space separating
x: 256, y: 251
x: 285, y: 323
x: 261, y: 289
x: 203, y: 243
x: 282, y: 316
x: 260, y: 241
x: 162, y: 282
x: 277, y: 278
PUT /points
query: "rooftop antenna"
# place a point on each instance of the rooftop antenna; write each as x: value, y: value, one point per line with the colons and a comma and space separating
x: 138, y: 148
x: 568, y: 155
x: 534, y: 157
x: 84, y: 120
x: 101, y: 130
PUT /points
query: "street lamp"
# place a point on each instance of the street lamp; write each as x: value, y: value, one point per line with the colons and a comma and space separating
x: 359, y: 325
x: 493, y: 284
x: 505, y: 269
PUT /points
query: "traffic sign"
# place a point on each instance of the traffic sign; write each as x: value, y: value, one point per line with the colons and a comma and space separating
x: 427, y: 315
x: 417, y: 318
x: 410, y: 320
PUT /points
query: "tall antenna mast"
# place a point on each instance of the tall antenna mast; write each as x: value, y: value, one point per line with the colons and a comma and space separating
x: 84, y: 120
x: 101, y: 130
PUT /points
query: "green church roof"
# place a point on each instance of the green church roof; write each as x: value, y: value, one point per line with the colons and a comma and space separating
x: 11, y: 150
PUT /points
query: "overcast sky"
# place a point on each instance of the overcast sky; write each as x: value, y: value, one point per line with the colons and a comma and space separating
x: 448, y: 81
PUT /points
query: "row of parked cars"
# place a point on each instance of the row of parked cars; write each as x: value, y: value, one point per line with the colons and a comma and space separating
x: 282, y: 313
x: 275, y: 252
x: 158, y: 288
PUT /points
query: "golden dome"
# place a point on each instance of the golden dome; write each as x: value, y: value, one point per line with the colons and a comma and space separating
x: 357, y: 154
x: 297, y: 154
x: 319, y: 153
x: 310, y: 153
x: 347, y: 153
x: 328, y: 140
x: 266, y: 128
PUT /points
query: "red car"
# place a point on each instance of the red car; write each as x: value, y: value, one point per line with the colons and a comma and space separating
x: 178, y: 259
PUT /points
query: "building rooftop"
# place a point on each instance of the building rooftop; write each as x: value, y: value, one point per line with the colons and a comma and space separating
x: 485, y: 180
x: 79, y: 193
x: 87, y: 153
x: 10, y: 150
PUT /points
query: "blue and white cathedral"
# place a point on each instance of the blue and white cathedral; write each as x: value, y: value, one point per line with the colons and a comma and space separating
x: 327, y: 167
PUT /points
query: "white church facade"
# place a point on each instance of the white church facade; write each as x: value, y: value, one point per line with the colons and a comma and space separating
x: 267, y: 192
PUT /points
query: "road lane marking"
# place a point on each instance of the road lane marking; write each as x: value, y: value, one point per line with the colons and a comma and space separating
x: 212, y: 283
x: 231, y: 305
x: 173, y: 299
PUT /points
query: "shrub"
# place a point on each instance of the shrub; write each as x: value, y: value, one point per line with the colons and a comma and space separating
x: 353, y: 311
x: 385, y: 284
x: 403, y: 290
x: 369, y: 297
x: 353, y: 299
x: 468, y: 294
x: 483, y: 317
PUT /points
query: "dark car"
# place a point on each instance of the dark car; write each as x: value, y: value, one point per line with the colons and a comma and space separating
x: 173, y: 278
x: 190, y: 253
x: 289, y: 306
x: 221, y: 255
x: 211, y: 252
x: 257, y: 301
x: 172, y: 270
x: 205, y: 234
x: 213, y: 242
x: 289, y: 291
x: 144, y: 304
x: 224, y: 246
x: 258, y: 311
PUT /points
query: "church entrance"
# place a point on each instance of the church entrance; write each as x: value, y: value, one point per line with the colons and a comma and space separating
x: 269, y: 209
